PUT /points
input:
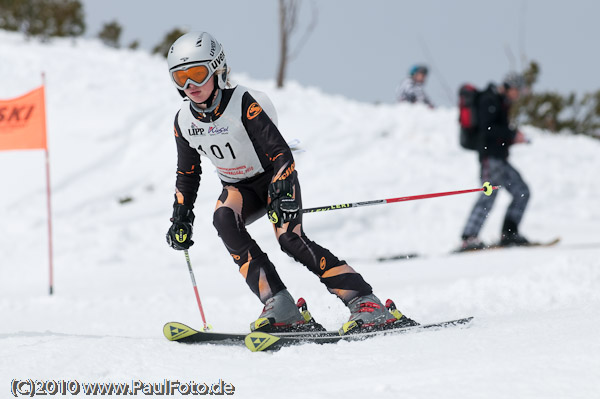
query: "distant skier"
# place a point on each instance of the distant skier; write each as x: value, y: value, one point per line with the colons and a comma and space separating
x: 412, y: 88
x: 234, y: 129
x: 495, y: 136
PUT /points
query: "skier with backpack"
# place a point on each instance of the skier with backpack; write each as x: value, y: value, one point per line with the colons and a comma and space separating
x: 235, y: 128
x: 485, y: 127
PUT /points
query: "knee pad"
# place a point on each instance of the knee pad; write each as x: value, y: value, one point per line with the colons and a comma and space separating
x: 290, y: 244
x: 224, y: 219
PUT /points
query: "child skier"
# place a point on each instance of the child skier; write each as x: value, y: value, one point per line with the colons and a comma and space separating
x: 232, y: 129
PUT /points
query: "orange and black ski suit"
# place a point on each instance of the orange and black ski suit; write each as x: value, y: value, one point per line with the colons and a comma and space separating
x: 249, y: 153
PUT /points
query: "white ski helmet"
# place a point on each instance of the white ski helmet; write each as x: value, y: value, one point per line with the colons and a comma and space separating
x: 195, y: 57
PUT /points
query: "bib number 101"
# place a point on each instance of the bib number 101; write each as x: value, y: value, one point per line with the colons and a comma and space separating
x: 217, y: 152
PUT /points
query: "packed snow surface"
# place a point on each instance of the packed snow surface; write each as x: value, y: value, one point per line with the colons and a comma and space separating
x: 116, y: 282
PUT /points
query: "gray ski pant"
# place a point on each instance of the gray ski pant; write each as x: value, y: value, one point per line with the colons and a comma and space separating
x: 498, y: 172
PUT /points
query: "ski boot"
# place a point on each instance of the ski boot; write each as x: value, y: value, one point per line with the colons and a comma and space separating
x: 471, y: 243
x: 280, y: 314
x: 401, y: 320
x: 510, y: 235
x: 367, y: 313
x: 513, y: 240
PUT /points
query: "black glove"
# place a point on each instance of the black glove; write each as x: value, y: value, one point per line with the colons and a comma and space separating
x: 283, y: 207
x: 179, y: 235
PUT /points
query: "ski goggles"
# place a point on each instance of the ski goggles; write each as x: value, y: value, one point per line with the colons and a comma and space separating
x: 197, y: 73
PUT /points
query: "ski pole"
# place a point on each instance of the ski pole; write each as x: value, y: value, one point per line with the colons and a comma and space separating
x: 189, y: 263
x: 487, y: 190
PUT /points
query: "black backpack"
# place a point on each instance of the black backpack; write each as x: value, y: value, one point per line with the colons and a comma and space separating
x: 468, y: 97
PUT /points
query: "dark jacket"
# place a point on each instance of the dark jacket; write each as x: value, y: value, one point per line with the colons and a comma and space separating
x: 495, y: 133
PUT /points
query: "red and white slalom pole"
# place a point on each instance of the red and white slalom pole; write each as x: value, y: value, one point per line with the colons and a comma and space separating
x: 487, y: 189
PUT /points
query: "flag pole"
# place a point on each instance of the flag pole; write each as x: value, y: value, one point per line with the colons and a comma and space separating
x: 48, y: 199
x: 50, y: 252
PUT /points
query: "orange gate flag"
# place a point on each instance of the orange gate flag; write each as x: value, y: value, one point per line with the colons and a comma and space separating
x: 23, y: 122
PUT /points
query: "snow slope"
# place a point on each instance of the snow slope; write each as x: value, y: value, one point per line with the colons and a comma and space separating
x: 110, y: 115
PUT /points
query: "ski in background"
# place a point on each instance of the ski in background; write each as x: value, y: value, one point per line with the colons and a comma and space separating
x: 402, y: 256
x: 498, y: 245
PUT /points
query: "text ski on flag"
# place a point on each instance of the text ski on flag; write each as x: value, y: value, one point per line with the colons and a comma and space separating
x: 23, y: 122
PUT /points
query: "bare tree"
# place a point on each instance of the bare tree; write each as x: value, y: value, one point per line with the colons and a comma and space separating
x: 288, y: 19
